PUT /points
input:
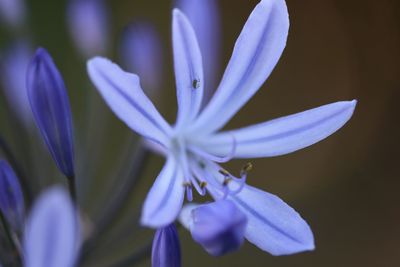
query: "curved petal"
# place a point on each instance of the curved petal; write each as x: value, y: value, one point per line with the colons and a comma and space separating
x: 188, y: 68
x: 52, y: 232
x: 51, y: 109
x: 256, y: 52
x: 283, y: 135
x: 208, y: 32
x: 123, y: 94
x: 164, y: 201
x: 272, y: 225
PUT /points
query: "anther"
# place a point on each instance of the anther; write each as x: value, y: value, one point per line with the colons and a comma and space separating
x: 224, y: 172
x: 246, y: 168
x: 196, y: 83
x: 203, y: 184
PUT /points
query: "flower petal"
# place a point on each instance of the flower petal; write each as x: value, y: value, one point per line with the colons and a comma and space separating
x: 208, y: 32
x: 11, y: 198
x: 123, y: 94
x: 50, y: 107
x: 164, y: 201
x: 166, y: 250
x: 218, y: 227
x: 141, y: 52
x: 52, y: 231
x: 256, y: 52
x: 272, y: 225
x: 283, y: 135
x: 188, y: 68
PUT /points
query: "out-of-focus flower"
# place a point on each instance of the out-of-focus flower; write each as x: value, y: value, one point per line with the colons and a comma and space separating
x: 11, y: 198
x: 14, y: 65
x: 204, y: 15
x: 88, y: 24
x: 50, y: 106
x: 166, y: 251
x: 13, y: 12
x: 52, y: 235
x: 141, y: 53
x: 194, y: 145
x: 219, y: 226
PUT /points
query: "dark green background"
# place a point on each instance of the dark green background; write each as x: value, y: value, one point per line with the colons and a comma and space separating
x: 346, y: 187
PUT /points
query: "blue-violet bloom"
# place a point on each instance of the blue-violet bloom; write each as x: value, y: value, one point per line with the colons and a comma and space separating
x: 12, y: 204
x: 166, y: 250
x: 194, y: 146
x: 88, y: 25
x: 218, y: 226
x: 204, y: 15
x: 52, y: 235
x: 13, y: 12
x: 14, y: 64
x: 141, y: 53
x: 50, y: 107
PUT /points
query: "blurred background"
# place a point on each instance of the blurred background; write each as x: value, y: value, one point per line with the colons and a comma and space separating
x: 346, y: 187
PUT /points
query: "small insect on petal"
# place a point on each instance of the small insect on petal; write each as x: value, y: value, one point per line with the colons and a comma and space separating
x: 166, y: 251
x: 219, y: 227
x: 50, y: 106
x: 196, y: 83
x: 11, y: 198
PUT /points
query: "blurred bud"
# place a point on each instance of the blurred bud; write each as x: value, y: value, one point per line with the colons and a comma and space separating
x: 50, y: 107
x: 141, y: 53
x: 204, y: 15
x: 11, y: 198
x: 52, y: 234
x: 166, y: 250
x: 13, y: 12
x: 88, y: 25
x: 14, y: 64
x: 218, y: 227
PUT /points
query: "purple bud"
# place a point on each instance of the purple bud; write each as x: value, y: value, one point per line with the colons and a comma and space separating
x: 12, y: 12
x: 50, y: 106
x: 141, y: 53
x: 13, y: 66
x: 11, y: 198
x: 166, y: 250
x: 88, y: 24
x: 219, y: 227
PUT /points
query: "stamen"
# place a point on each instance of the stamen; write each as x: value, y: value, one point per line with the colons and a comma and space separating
x: 203, y: 186
x: 224, y: 172
x: 189, y: 191
x: 246, y: 168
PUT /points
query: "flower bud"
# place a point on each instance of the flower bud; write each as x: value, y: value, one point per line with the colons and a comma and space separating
x: 88, y: 25
x: 13, y: 12
x: 50, y: 106
x: 166, y: 250
x: 14, y: 64
x: 219, y: 227
x: 11, y: 198
x: 141, y: 53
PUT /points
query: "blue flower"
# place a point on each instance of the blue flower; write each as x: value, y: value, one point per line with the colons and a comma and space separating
x: 141, y: 53
x: 219, y: 226
x: 13, y: 12
x: 195, y: 146
x: 11, y: 198
x: 166, y: 251
x: 52, y: 235
x: 88, y: 25
x: 50, y: 106
x: 14, y: 65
